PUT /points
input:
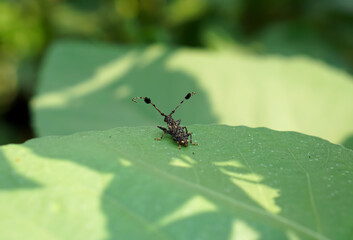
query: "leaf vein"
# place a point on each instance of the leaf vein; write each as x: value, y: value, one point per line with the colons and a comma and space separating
x: 311, y: 195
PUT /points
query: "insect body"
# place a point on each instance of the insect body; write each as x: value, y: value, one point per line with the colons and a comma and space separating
x: 179, y: 134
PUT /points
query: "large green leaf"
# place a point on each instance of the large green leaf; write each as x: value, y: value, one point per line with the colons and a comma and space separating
x: 238, y: 183
x: 89, y: 87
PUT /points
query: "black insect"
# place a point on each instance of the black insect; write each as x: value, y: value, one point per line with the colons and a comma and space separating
x: 179, y: 134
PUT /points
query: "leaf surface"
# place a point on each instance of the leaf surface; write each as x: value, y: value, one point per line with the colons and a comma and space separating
x: 122, y: 184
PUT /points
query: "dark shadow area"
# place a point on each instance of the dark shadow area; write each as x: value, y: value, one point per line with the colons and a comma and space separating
x: 298, y: 38
x: 16, y: 121
x: 289, y: 38
x: 297, y: 28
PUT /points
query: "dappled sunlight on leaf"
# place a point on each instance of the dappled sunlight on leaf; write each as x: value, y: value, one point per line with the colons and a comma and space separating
x: 230, y: 163
x: 240, y: 88
x: 125, y: 163
x: 70, y: 194
x: 183, y: 161
x: 103, y: 76
x: 122, y: 92
x: 242, y: 231
x: 292, y: 236
x: 239, y: 181
x: 250, y: 183
x: 196, y: 205
x: 179, y: 163
x: 31, y: 163
x: 188, y: 159
x: 272, y: 91
x: 251, y: 177
x: 265, y: 196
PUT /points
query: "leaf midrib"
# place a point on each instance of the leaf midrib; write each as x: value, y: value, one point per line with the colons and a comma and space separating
x: 220, y: 196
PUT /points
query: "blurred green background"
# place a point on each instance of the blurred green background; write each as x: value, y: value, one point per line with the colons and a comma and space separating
x: 319, y: 29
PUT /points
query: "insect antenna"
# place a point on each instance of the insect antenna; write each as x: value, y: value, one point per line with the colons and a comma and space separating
x: 186, y: 97
x: 148, y: 101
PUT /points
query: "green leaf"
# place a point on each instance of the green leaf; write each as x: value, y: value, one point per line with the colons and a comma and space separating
x: 90, y: 87
x: 238, y: 183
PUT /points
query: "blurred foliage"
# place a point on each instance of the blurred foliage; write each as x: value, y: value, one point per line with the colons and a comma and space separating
x: 8, y: 85
x: 321, y: 29
x: 239, y: 89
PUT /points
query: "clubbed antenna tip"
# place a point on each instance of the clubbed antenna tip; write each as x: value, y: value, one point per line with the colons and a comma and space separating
x: 146, y: 99
x: 186, y: 97
x: 189, y: 95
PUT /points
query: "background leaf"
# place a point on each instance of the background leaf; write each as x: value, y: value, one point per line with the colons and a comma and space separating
x: 238, y: 181
x: 90, y: 86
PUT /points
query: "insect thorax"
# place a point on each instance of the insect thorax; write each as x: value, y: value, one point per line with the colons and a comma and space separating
x: 170, y: 121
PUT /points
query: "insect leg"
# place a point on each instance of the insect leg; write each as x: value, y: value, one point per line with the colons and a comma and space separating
x: 190, y: 135
x: 164, y: 131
